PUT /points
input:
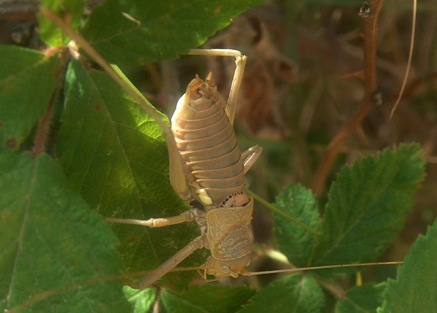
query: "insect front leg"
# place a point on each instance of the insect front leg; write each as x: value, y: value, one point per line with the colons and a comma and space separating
x: 164, y: 268
x: 187, y: 216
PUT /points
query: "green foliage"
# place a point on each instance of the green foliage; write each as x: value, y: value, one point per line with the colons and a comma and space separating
x: 295, y: 293
x: 361, y: 299
x: 20, y: 111
x: 209, y: 298
x: 368, y: 205
x: 141, y: 300
x: 116, y: 159
x: 57, y: 254
x: 294, y: 240
x: 50, y: 33
x: 415, y: 287
x: 146, y: 30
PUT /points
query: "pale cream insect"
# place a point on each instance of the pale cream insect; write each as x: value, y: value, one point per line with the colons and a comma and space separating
x: 207, y: 169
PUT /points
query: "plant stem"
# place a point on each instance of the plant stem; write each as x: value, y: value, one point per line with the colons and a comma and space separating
x: 367, y: 103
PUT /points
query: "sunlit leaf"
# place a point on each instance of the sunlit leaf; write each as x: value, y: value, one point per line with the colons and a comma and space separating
x: 141, y: 300
x: 27, y: 81
x: 129, y: 32
x: 70, y: 10
x: 115, y: 156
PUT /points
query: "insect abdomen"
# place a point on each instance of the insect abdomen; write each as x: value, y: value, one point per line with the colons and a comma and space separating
x: 207, y: 143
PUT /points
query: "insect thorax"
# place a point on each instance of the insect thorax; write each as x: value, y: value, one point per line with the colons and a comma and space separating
x: 228, y: 239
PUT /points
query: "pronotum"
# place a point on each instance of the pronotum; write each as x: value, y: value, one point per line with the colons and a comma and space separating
x: 208, y: 171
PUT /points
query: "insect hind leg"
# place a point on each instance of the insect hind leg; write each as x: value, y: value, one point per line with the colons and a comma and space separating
x: 167, y: 266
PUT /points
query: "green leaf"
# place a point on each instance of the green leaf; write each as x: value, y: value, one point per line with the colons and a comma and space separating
x: 141, y: 300
x: 27, y: 81
x: 368, y: 205
x: 55, y: 253
x: 115, y: 156
x: 295, y: 293
x: 415, y: 287
x: 361, y: 299
x: 207, y: 298
x: 71, y: 10
x: 136, y: 32
x: 295, y: 241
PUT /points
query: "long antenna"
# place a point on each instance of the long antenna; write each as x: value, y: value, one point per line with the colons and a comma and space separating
x: 294, y: 270
x: 322, y: 267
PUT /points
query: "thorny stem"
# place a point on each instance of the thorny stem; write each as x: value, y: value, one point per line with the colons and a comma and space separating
x: 367, y: 103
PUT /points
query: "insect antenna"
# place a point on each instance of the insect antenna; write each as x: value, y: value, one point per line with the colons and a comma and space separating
x: 322, y: 267
x: 287, y: 270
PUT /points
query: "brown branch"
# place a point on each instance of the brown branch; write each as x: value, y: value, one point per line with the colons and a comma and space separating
x: 367, y: 103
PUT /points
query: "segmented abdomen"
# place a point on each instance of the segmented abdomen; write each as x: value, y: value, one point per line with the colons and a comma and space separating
x: 207, y: 143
